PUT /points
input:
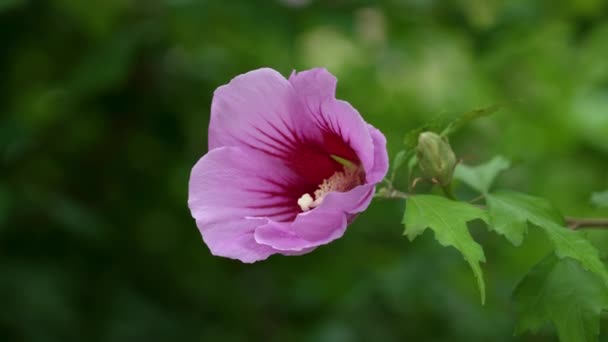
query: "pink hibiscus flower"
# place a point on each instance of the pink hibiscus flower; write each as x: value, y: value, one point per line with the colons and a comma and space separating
x: 289, y: 166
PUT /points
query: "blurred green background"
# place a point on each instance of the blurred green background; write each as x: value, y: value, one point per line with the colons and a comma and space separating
x: 104, y: 109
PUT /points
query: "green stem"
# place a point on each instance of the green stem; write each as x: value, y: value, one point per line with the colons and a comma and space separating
x: 391, y: 193
x: 447, y: 191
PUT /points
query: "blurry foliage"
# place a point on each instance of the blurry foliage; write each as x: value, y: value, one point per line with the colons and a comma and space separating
x: 547, y: 290
x: 104, y: 109
x: 600, y: 199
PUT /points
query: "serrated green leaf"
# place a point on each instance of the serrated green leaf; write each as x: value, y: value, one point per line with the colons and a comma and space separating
x: 481, y: 177
x: 507, y: 220
x: 510, y: 211
x: 448, y: 220
x: 562, y: 292
x: 600, y: 199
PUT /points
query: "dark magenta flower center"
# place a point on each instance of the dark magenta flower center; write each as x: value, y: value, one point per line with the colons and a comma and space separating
x: 315, y: 163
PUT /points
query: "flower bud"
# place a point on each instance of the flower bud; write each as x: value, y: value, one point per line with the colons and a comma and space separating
x: 435, y: 157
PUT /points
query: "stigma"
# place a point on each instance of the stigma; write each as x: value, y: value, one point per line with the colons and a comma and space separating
x: 341, y: 181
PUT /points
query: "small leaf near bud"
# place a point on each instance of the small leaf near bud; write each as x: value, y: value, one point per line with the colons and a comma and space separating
x: 435, y: 158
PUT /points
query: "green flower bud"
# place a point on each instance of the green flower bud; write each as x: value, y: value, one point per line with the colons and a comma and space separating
x: 435, y: 158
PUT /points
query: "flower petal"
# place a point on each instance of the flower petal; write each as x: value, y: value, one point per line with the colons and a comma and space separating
x: 343, y: 120
x: 317, y: 89
x: 231, y: 185
x: 349, y: 202
x: 318, y: 226
x: 380, y: 168
x: 235, y: 239
x: 328, y: 226
x: 314, y: 86
x: 260, y: 110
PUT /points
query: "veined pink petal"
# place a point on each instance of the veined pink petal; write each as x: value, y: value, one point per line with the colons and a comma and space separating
x: 328, y: 225
x: 314, y: 86
x: 260, y: 110
x: 319, y: 226
x: 234, y: 239
x: 380, y: 168
x: 342, y: 119
x: 229, y: 187
x: 317, y: 88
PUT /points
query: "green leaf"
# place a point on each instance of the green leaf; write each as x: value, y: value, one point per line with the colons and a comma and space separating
x: 412, y: 164
x: 448, y: 220
x: 510, y: 211
x: 411, y: 138
x: 507, y: 219
x: 446, y: 125
x: 482, y: 176
x: 600, y: 199
x: 562, y: 292
x: 467, y: 117
x: 397, y: 163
